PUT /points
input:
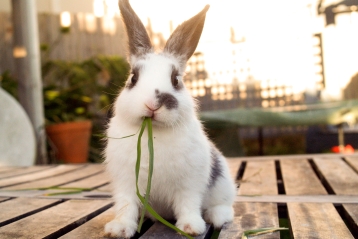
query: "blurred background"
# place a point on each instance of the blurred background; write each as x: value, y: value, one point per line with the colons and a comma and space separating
x: 251, y: 54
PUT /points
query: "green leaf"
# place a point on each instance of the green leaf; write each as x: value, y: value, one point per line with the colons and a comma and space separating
x: 259, y: 231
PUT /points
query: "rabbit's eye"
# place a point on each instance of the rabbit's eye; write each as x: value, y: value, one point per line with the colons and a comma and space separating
x: 175, y: 81
x: 134, y: 79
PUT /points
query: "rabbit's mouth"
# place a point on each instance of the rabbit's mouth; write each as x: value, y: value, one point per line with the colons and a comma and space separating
x: 151, y: 112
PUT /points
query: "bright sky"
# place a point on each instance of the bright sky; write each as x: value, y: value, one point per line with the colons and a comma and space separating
x: 278, y: 34
x: 275, y: 30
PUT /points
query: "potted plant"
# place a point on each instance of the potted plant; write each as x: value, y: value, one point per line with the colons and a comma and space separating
x: 76, y: 95
x: 68, y: 124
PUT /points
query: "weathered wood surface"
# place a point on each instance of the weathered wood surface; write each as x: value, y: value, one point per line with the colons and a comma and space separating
x: 352, y: 211
x: 335, y: 199
x: 311, y: 210
x: 316, y: 220
x: 3, y: 199
x: 340, y: 176
x: 13, y: 209
x: 295, y: 156
x: 94, y: 228
x: 38, y: 175
x: 234, y: 165
x: 353, y: 161
x: 7, y: 169
x: 53, y: 220
x: 93, y: 181
x: 159, y: 230
x: 259, y: 179
x: 24, y: 170
x: 251, y: 216
x: 300, y: 179
x: 105, y: 188
x: 78, y: 174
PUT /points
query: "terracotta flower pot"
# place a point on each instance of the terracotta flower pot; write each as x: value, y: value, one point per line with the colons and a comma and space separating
x: 71, y: 140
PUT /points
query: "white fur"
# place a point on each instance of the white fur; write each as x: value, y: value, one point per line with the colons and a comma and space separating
x: 182, y: 159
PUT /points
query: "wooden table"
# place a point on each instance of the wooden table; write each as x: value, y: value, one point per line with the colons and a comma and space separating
x: 315, y: 195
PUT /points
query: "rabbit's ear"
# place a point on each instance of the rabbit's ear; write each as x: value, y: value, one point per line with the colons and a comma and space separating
x: 186, y: 36
x: 138, y: 39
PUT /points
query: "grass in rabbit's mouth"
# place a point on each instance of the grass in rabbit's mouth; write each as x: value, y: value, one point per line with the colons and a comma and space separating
x: 147, y: 122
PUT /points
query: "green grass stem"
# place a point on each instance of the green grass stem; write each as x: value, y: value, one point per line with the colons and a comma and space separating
x: 144, y: 200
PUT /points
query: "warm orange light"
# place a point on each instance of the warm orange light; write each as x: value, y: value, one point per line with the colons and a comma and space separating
x: 65, y: 19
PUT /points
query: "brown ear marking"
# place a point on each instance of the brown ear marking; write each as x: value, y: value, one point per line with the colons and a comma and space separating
x: 138, y: 39
x: 185, y: 38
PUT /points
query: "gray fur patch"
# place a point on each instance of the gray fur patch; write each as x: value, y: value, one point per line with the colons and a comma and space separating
x: 216, y: 168
x: 166, y: 99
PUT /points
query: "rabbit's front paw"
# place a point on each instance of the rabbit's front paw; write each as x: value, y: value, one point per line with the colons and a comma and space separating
x: 193, y: 225
x: 120, y: 228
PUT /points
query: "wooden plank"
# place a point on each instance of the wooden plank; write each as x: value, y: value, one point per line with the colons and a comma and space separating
x: 90, y: 182
x: 294, y: 156
x: 251, y: 216
x: 352, y: 210
x: 93, y: 228
x: 159, y: 230
x: 96, y: 194
x: 234, y: 165
x: 13, y: 209
x: 60, y: 179
x: 259, y: 179
x: 316, y: 220
x: 55, y: 220
x: 38, y: 175
x: 105, y: 188
x: 24, y: 170
x: 3, y: 199
x: 300, y: 179
x: 6, y: 169
x: 9, y: 171
x: 342, y: 179
x: 337, y: 199
x: 353, y: 162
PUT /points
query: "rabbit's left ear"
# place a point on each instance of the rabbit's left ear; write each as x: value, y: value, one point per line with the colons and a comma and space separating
x: 138, y: 39
x: 186, y: 36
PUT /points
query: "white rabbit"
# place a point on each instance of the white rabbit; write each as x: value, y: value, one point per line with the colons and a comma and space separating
x: 191, y: 178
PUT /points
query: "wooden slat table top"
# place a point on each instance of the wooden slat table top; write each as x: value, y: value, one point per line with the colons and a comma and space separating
x: 316, y: 196
x: 300, y: 179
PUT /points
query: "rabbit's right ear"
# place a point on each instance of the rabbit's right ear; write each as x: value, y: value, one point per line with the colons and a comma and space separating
x: 185, y: 38
x: 138, y: 39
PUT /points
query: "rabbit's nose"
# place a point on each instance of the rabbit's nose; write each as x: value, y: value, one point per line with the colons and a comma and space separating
x: 152, y: 108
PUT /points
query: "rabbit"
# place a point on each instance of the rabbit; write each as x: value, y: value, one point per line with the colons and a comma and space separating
x: 191, y: 182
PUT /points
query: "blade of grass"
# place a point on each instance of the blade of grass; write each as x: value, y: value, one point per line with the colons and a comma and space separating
x: 259, y: 231
x: 162, y: 220
x: 137, y: 167
x: 150, y: 171
x: 107, y: 137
